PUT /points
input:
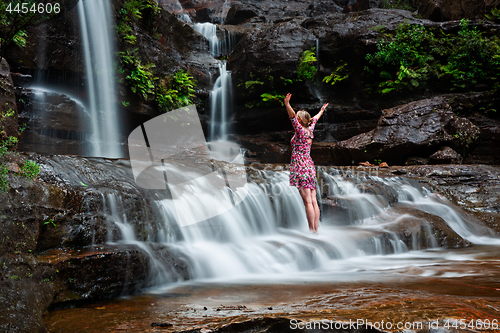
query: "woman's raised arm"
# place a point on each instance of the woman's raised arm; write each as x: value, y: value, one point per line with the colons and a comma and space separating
x: 320, y: 113
x: 289, y: 109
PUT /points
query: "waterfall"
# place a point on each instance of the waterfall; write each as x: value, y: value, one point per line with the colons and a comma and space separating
x: 176, y: 8
x: 220, y: 102
x: 266, y: 237
x: 221, y: 97
x: 217, y: 47
x: 98, y: 45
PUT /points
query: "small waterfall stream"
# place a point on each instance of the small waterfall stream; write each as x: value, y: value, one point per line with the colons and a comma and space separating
x: 96, y: 29
x: 221, y: 97
x: 266, y: 237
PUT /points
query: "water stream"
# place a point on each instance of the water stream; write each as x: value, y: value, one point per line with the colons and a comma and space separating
x: 265, y: 237
x: 96, y: 26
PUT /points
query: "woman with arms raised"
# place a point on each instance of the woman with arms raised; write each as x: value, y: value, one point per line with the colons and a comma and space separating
x: 302, y: 171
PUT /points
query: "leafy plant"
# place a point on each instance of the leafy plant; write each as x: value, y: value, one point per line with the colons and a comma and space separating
x: 4, y: 184
x: 135, y: 11
x: 339, y: 74
x: 415, y: 56
x: 273, y: 98
x: 30, y: 170
x: 494, y: 15
x: 50, y: 221
x: 14, y: 19
x: 141, y: 80
x: 175, y: 91
x: 306, y: 69
x: 250, y: 85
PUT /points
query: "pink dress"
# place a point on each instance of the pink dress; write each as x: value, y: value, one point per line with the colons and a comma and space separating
x: 302, y: 171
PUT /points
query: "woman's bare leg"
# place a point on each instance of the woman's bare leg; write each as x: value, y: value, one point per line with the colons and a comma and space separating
x: 316, y: 210
x: 305, y: 193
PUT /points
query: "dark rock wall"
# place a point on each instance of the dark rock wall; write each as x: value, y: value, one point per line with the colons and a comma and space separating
x: 8, y: 124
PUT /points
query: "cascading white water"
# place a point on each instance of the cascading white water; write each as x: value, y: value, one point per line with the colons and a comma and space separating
x: 218, y: 47
x: 176, y: 8
x: 96, y: 23
x: 266, y: 236
x: 221, y: 99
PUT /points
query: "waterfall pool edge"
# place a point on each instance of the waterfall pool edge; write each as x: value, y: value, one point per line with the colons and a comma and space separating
x: 406, y: 298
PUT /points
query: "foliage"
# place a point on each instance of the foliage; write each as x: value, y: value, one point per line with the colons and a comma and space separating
x: 273, y: 98
x: 415, y: 56
x: 136, y: 11
x: 250, y: 85
x: 30, y: 170
x: 494, y: 15
x: 175, y: 91
x: 265, y: 90
x: 50, y: 221
x: 141, y: 80
x: 472, y: 58
x: 307, y: 69
x: 4, y: 184
x: 15, y: 16
x: 339, y: 74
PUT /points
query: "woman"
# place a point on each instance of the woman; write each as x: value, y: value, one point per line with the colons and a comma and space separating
x: 302, y: 171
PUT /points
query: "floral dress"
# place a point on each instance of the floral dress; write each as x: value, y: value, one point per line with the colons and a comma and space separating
x: 302, y: 171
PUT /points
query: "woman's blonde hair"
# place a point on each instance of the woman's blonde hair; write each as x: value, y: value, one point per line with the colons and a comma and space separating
x: 305, y: 117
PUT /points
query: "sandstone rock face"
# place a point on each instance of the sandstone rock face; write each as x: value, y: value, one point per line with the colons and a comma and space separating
x: 53, y: 236
x: 418, y: 128
x: 8, y: 124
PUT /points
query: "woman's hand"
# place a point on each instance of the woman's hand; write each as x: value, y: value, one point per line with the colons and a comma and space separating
x: 289, y: 109
x: 287, y: 99
x: 320, y: 113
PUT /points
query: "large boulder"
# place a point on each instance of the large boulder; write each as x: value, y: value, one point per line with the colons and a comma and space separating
x: 416, y: 129
x: 445, y: 10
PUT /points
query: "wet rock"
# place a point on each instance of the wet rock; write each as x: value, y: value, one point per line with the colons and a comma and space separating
x: 420, y: 230
x: 238, y: 14
x: 416, y: 161
x: 320, y: 7
x: 445, y: 10
x: 488, y: 152
x: 256, y: 55
x: 445, y: 156
x: 355, y: 5
x: 8, y: 107
x: 474, y: 188
x: 27, y: 289
x: 415, y: 128
x: 64, y: 217
x: 54, y: 123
